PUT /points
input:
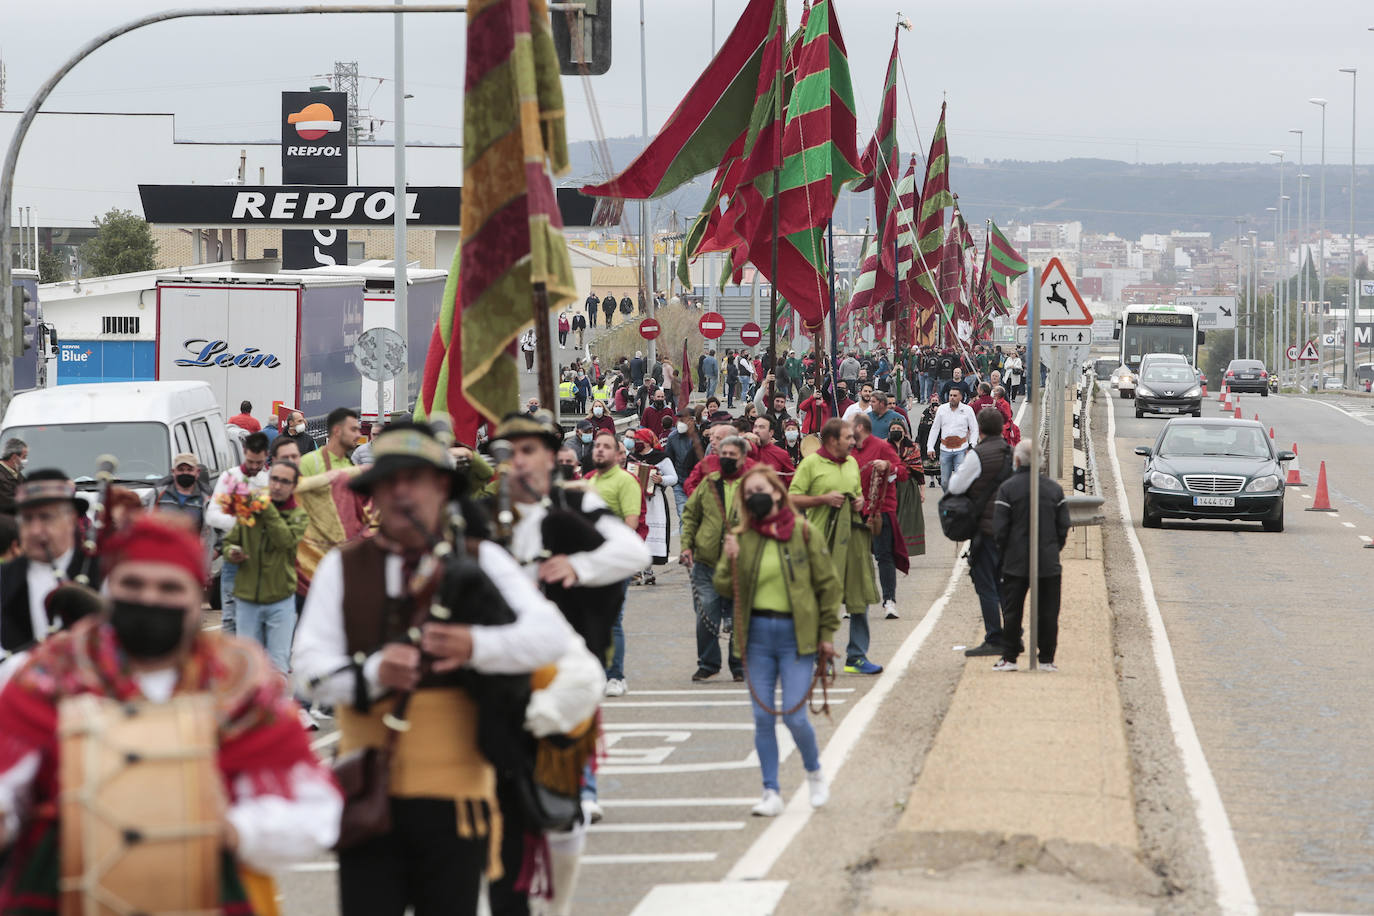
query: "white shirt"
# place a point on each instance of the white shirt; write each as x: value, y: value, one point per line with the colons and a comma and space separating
x: 949, y: 422
x: 857, y: 407
x: 42, y: 579
x: 620, y: 556
x: 215, y: 516
x: 538, y: 637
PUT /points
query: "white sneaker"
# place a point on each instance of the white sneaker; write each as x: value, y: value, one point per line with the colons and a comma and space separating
x: 891, y: 608
x: 769, y: 806
x: 1004, y: 665
x: 591, y: 811
x: 820, y: 791
x: 616, y: 687
x: 308, y: 721
x: 1051, y: 667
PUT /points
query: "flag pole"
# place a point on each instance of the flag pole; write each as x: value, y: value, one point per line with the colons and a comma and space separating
x: 777, y: 215
x: 834, y: 308
x: 543, y: 347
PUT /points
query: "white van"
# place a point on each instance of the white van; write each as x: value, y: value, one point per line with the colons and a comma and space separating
x: 142, y: 424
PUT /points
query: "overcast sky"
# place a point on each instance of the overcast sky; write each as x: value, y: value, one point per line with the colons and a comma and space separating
x: 1160, y: 81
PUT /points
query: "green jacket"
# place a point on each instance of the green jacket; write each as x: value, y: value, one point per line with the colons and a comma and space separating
x: 268, y: 573
x: 703, y: 525
x: 813, y: 589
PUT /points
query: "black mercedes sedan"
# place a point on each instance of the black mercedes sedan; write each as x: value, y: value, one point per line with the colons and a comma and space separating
x: 1214, y: 469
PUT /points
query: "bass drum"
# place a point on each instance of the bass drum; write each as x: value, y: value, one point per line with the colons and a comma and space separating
x: 141, y: 807
x: 810, y: 445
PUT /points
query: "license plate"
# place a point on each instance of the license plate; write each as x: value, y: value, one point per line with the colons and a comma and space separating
x: 1250, y: 376
x: 1224, y: 502
x: 1168, y: 410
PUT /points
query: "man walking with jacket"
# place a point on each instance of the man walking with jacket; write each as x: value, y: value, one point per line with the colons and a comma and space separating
x: 986, y: 466
x: 1011, y: 530
x: 711, y: 512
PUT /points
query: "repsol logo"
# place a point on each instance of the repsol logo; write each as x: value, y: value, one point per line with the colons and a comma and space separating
x: 330, y: 151
x: 309, y: 206
x: 210, y: 354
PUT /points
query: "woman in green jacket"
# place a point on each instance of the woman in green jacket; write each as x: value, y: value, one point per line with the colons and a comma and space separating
x: 787, y: 608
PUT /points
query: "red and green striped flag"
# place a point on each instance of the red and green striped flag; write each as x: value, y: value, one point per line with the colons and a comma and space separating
x: 1001, y: 264
x: 512, y: 235
x: 880, y: 164
x: 710, y: 119
x: 930, y: 233
x: 899, y: 308
x: 954, y: 275
x: 818, y: 157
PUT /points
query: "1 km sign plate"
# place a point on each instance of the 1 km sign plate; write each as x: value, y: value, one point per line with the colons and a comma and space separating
x: 1059, y: 302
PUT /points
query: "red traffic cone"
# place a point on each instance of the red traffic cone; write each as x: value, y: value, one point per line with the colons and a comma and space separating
x: 1294, y: 472
x: 1221, y: 395
x: 1256, y: 418
x: 1321, y: 502
x: 1238, y: 416
x: 1226, y: 400
x: 1271, y: 432
x: 1204, y: 389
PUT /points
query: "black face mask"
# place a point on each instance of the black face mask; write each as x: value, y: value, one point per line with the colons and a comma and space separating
x: 759, y: 504
x: 186, y: 480
x: 728, y: 466
x: 567, y: 471
x: 659, y: 404
x: 148, y: 631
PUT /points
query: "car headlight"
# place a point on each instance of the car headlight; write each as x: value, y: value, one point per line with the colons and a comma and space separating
x: 1164, y: 481
x: 1266, y: 484
x: 1141, y: 389
x: 1193, y: 393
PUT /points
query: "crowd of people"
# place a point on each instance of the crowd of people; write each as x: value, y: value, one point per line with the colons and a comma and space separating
x: 458, y: 608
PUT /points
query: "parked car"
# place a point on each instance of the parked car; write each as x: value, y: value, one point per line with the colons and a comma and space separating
x: 1247, y: 375
x: 1214, y: 469
x: 1168, y: 387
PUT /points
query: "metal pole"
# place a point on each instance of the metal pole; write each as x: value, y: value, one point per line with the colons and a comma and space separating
x: 21, y: 130
x: 1235, y: 334
x: 1032, y: 377
x: 400, y: 281
x: 1302, y: 274
x: 1353, y: 299
x: 646, y: 210
x: 1321, y: 230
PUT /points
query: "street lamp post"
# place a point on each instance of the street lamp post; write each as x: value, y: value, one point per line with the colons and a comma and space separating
x: 1321, y: 230
x: 1353, y: 297
x: 1254, y: 294
x: 1270, y: 331
x: 1235, y: 332
x: 1286, y: 308
x: 1302, y: 231
x: 1279, y: 259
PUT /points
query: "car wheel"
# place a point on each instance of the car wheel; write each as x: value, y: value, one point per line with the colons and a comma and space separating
x: 1274, y: 524
x: 1198, y: 413
x: 1139, y: 413
x: 1264, y: 393
x: 1149, y: 519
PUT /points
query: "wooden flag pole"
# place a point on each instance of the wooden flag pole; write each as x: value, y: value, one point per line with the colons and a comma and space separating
x: 777, y: 219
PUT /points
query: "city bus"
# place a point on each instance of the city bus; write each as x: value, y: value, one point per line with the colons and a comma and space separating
x: 1146, y: 329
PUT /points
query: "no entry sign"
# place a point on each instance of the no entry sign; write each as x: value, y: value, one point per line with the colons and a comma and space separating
x: 712, y: 325
x: 649, y: 328
x: 750, y: 334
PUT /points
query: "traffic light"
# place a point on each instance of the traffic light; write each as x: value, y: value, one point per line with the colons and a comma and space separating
x: 582, y: 38
x: 22, y: 323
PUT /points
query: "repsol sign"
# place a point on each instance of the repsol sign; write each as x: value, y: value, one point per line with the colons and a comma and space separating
x: 216, y: 354
x: 312, y: 206
x: 307, y: 206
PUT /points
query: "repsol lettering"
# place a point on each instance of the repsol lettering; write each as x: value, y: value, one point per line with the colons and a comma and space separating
x: 334, y: 151
x: 311, y: 206
x: 211, y: 354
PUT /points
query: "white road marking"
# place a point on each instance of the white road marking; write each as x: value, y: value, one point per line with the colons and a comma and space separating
x: 322, y: 743
x: 213, y: 627
x: 1234, y: 894
x: 1348, y: 524
x: 649, y: 858
x: 1341, y: 410
x: 690, y: 726
x: 677, y: 802
x: 1366, y: 538
x: 738, y: 898
x: 667, y: 827
x: 656, y: 704
x: 1305, y: 495
x: 732, y: 691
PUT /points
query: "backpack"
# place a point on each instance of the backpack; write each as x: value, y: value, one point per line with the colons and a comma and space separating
x: 960, y: 515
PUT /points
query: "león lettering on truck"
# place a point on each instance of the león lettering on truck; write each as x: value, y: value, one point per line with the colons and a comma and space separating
x: 216, y: 353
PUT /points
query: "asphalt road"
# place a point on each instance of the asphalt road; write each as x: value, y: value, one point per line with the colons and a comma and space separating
x: 681, y: 773
x: 1271, y: 636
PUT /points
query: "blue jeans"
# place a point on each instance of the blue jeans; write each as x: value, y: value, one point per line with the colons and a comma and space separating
x: 616, y: 670
x: 711, y: 608
x: 227, y: 574
x: 588, y: 783
x: 949, y: 463
x: 857, y: 650
x: 985, y: 569
x: 711, y: 385
x: 927, y: 387
x: 680, y: 498
x: 271, y: 626
x: 773, y: 657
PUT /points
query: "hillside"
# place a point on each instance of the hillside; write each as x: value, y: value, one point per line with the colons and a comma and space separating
x: 1106, y: 195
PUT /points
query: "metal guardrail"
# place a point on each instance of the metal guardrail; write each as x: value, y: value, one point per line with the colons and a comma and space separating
x: 1085, y: 503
